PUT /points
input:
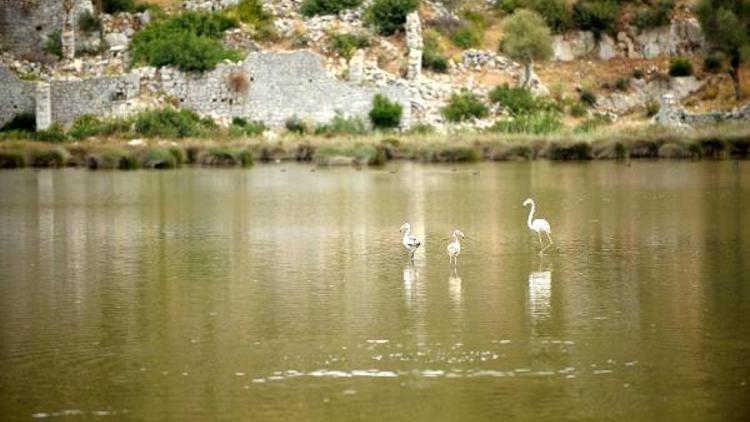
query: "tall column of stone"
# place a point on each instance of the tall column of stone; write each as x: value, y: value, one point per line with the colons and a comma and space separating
x: 69, y: 30
x: 415, y: 44
x: 357, y: 67
x: 43, y: 106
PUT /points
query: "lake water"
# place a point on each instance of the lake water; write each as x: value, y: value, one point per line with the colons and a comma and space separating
x: 282, y: 292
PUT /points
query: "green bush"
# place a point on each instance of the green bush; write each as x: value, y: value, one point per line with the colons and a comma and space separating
x: 171, y: 123
x: 116, y: 6
x: 555, y: 12
x: 251, y: 12
x: 189, y: 41
x: 55, y: 134
x: 680, y: 66
x: 158, y: 158
x: 622, y: 84
x: 326, y: 7
x: 578, y: 109
x: 510, y: 6
x: 241, y: 128
x: 467, y: 36
x: 385, y: 114
x: 295, y: 125
x: 89, y: 23
x: 462, y: 106
x: 10, y: 159
x: 713, y: 63
x: 223, y: 156
x: 389, y: 16
x: 516, y: 100
x: 341, y: 125
x: 652, y: 107
x: 592, y: 124
x: 346, y: 44
x: 421, y: 129
x: 48, y: 157
x: 587, y: 97
x: 85, y: 126
x: 597, y: 16
x: 532, y: 123
x: 23, y: 121
x: 431, y: 57
x: 654, y: 16
x: 53, y: 45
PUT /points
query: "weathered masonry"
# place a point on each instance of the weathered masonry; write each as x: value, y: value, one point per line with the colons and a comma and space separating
x: 272, y: 87
x: 26, y: 25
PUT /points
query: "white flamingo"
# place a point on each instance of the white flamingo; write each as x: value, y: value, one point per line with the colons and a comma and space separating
x: 454, y: 248
x: 411, y: 243
x: 539, y: 225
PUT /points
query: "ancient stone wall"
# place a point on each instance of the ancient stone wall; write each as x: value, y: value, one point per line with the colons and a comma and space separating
x: 26, y: 24
x: 272, y: 87
x: 105, y: 95
x: 16, y: 96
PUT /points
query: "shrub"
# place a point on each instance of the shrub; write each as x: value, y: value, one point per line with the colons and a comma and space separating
x: 569, y: 151
x: 532, y: 123
x: 652, y: 107
x: 421, y: 129
x: 55, y: 134
x: 116, y: 6
x: 452, y: 154
x: 10, y: 159
x: 189, y: 41
x: 158, y: 158
x: 510, y: 6
x: 389, y: 16
x: 680, y: 66
x: 431, y: 57
x: 597, y: 16
x: 341, y: 125
x: 654, y: 16
x: 171, y: 123
x: 526, y: 38
x: 85, y: 126
x: 345, y: 44
x: 462, y: 106
x: 622, y: 84
x: 592, y: 124
x: 587, y: 97
x: 385, y: 114
x: 221, y: 156
x: 326, y: 7
x: 251, y: 12
x: 516, y: 100
x: 112, y: 158
x: 555, y: 12
x: 48, y: 157
x: 713, y: 63
x: 295, y: 125
x: 23, y: 121
x: 241, y: 127
x: 578, y: 109
x: 89, y: 23
x: 53, y: 45
x: 467, y: 36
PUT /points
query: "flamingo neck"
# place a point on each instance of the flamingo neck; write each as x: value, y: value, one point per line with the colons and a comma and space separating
x: 531, y: 215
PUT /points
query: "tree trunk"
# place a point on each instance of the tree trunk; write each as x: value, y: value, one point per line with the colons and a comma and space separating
x: 527, y: 73
x: 735, y: 73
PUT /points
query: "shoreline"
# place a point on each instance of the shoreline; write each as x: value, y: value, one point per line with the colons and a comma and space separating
x: 717, y: 142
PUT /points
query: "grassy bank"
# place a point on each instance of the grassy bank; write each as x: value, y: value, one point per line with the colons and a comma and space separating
x: 715, y: 142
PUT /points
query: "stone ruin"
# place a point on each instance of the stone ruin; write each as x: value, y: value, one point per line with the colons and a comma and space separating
x: 415, y: 44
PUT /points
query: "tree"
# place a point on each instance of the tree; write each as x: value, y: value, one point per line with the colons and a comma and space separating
x: 527, y: 38
x: 726, y: 24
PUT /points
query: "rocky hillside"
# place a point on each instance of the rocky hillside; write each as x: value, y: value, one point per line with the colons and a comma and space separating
x: 607, y: 67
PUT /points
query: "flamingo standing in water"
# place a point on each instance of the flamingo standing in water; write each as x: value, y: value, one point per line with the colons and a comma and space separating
x: 539, y: 225
x: 454, y: 248
x: 411, y: 243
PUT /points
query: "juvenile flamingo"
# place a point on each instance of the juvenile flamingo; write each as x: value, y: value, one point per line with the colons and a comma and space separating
x: 411, y: 243
x: 454, y: 248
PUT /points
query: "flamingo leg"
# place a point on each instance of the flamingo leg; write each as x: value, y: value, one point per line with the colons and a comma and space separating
x: 541, y: 244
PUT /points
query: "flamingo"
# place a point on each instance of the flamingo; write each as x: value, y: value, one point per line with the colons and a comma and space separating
x: 411, y: 243
x: 539, y: 225
x: 454, y: 248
